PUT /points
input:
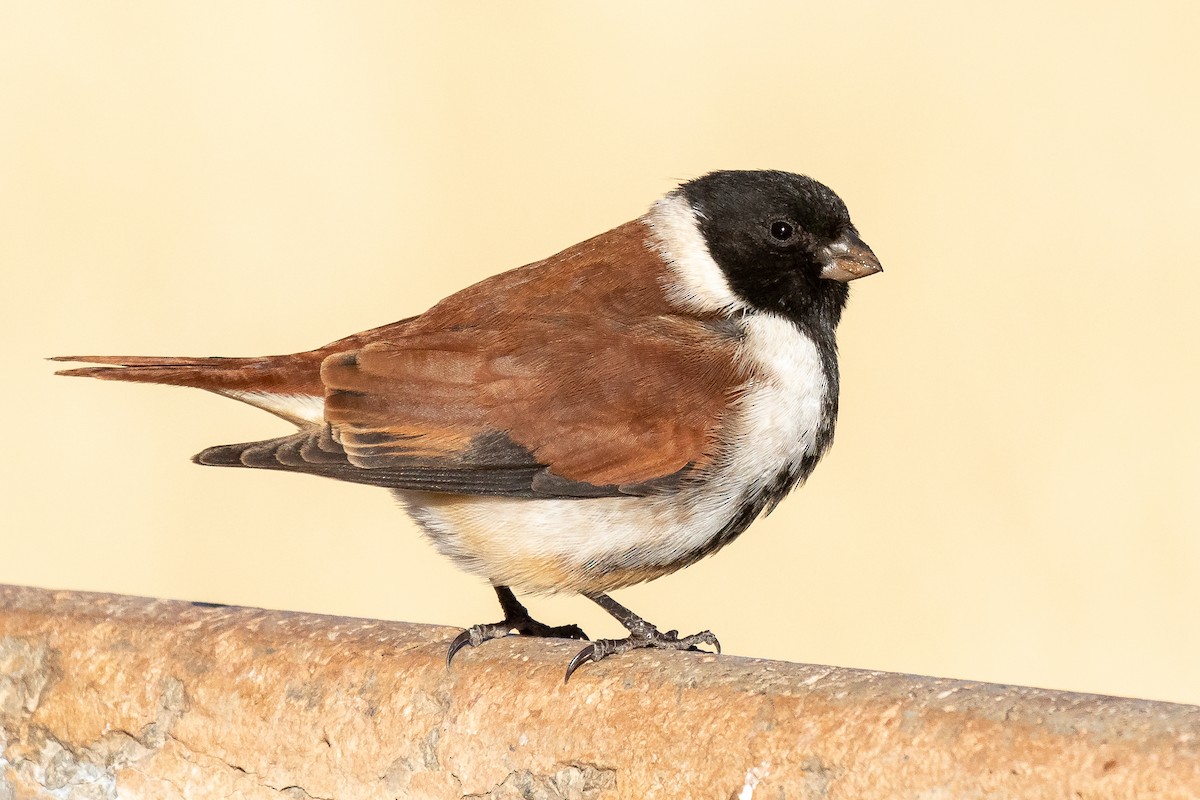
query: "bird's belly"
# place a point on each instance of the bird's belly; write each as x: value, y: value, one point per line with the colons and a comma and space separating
x: 588, y: 545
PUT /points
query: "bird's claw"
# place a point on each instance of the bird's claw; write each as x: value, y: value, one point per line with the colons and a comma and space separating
x: 478, y: 634
x: 586, y: 654
x: 603, y: 648
x: 475, y: 636
x: 460, y: 641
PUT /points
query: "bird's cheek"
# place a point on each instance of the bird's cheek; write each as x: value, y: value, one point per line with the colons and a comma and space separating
x: 800, y: 287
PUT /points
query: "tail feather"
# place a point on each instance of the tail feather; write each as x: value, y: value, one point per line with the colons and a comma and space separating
x: 205, y: 373
x: 288, y: 386
x: 292, y: 374
x: 154, y: 361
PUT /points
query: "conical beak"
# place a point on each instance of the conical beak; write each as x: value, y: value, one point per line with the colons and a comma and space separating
x: 848, y: 259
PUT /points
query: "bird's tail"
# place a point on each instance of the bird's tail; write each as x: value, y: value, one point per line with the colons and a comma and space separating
x: 202, y: 373
x: 288, y: 386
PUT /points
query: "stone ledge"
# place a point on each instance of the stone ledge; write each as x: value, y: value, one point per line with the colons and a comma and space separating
x: 106, y: 696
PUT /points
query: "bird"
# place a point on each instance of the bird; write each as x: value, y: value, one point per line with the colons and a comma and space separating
x: 584, y: 423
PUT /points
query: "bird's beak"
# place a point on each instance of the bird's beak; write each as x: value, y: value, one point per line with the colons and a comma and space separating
x: 849, y: 258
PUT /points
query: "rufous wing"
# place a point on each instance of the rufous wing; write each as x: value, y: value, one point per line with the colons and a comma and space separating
x: 570, y: 377
x: 596, y: 405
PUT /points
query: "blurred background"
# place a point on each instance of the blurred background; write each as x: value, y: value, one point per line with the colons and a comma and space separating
x: 1014, y: 494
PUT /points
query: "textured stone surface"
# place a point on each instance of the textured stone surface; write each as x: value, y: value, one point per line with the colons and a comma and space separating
x: 104, y: 696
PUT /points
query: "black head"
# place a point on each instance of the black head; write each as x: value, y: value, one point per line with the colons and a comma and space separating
x: 785, y: 242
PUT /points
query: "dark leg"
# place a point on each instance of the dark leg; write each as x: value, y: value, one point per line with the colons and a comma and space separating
x: 641, y: 634
x: 516, y: 619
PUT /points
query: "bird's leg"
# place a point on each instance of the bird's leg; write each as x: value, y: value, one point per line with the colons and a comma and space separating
x: 516, y: 620
x: 641, y: 634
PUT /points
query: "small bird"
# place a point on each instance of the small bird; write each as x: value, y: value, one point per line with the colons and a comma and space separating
x: 584, y: 423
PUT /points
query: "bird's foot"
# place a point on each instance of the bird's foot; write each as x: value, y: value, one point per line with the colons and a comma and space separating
x: 521, y: 625
x: 639, y: 639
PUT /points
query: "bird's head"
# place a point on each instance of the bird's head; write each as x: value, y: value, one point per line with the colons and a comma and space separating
x: 784, y: 242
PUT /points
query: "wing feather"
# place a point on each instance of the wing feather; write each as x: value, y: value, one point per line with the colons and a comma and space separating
x: 571, y: 377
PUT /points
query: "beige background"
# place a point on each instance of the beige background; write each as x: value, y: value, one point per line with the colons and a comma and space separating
x: 1013, y: 493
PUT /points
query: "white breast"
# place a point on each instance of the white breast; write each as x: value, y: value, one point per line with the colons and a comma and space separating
x: 782, y: 412
x: 600, y: 544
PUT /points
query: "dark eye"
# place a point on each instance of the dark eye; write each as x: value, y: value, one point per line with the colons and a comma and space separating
x: 782, y: 230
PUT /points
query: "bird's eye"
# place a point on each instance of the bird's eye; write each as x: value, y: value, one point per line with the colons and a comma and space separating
x: 782, y: 230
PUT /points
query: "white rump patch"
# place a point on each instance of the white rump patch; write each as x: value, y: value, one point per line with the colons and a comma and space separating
x: 302, y: 409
